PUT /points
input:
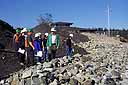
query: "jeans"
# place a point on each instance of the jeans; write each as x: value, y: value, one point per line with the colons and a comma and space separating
x: 45, y: 53
x: 69, y: 51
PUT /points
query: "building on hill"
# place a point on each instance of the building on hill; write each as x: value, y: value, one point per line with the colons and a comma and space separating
x: 62, y: 24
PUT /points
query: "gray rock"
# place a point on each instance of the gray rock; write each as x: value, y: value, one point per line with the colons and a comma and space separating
x: 39, y: 67
x: 73, y: 81
x: 55, y: 62
x: 80, y: 77
x: 22, y: 82
x: 87, y: 82
x: 43, y: 81
x: 66, y: 77
x: 62, y: 70
x: 43, y: 74
x: 35, y: 81
x: 109, y: 81
x: 77, y: 55
x: 69, y: 74
x: 27, y: 81
x: 126, y: 74
x: 27, y: 73
x: 9, y: 80
x: 55, y: 82
x: 116, y: 74
x: 86, y: 58
x: 47, y: 65
x: 48, y: 69
x: 2, y: 82
x: 74, y: 71
x: 124, y: 82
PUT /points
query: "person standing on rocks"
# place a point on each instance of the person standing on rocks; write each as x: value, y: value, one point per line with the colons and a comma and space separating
x: 45, y: 46
x: 41, y: 41
x: 16, y: 41
x: 38, y: 48
x: 22, y: 47
x: 29, y: 48
x: 53, y: 43
x: 69, y: 48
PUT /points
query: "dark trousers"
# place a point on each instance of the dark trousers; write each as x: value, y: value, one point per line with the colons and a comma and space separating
x: 29, y: 56
x: 22, y: 58
x: 38, y: 59
x: 52, y: 52
x: 16, y: 49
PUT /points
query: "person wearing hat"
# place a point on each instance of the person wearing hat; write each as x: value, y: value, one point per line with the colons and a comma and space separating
x: 22, y: 47
x: 45, y: 46
x: 40, y: 40
x: 53, y: 43
x: 16, y: 41
x: 69, y: 48
x: 29, y: 48
x: 38, y: 49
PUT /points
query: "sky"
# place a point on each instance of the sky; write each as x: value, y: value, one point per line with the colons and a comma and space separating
x: 83, y: 13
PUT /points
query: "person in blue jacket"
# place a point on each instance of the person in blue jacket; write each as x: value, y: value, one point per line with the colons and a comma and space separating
x: 38, y: 49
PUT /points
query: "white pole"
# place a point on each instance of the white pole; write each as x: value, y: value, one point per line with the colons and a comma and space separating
x: 108, y: 13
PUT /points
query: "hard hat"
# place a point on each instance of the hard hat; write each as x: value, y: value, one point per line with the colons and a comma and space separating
x: 46, y: 34
x: 17, y: 30
x: 71, y: 35
x: 37, y: 35
x: 30, y: 30
x: 24, y: 30
x: 53, y: 29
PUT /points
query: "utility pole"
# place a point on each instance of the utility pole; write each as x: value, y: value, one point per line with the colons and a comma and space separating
x: 108, y: 19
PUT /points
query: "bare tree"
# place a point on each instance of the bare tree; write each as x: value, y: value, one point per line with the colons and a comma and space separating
x: 45, y: 19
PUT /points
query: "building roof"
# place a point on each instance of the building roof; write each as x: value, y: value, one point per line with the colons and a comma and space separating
x: 62, y: 23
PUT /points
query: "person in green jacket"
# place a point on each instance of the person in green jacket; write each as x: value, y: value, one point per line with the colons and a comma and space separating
x: 53, y: 43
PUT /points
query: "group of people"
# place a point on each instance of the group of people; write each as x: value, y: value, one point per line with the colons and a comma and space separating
x: 34, y: 49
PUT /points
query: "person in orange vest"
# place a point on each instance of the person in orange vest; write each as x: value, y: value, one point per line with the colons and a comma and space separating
x: 16, y: 41
x: 29, y: 48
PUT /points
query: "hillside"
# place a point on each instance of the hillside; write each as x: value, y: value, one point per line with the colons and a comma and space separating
x: 6, y: 35
x: 105, y: 64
